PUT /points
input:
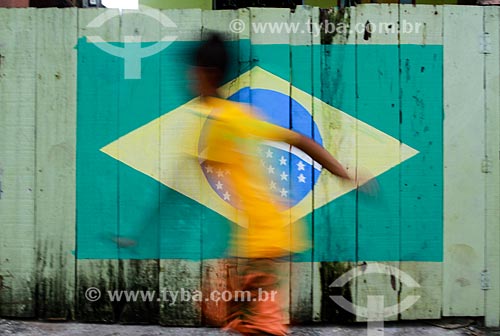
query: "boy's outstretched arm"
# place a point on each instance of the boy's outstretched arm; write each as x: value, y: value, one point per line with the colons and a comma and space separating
x: 268, y: 131
x: 318, y: 154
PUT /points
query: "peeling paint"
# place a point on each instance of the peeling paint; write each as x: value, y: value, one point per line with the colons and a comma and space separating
x: 330, y: 311
x: 368, y: 31
x: 341, y: 21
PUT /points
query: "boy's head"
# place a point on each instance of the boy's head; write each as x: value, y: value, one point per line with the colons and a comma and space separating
x: 210, y: 65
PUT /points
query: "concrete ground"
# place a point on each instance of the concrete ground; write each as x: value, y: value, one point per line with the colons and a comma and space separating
x: 36, y: 328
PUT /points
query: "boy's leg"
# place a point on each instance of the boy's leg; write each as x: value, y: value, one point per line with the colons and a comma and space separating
x: 261, y: 312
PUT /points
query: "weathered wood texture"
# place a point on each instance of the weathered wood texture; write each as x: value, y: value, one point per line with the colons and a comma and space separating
x: 39, y: 274
x: 492, y: 107
x: 140, y: 207
x: 18, y: 258
x: 176, y: 274
x: 415, y: 74
x: 464, y: 151
x: 55, y: 163
x: 335, y: 84
x: 386, y: 100
x: 215, y: 272
x: 100, y: 274
x: 282, y: 54
x: 302, y: 65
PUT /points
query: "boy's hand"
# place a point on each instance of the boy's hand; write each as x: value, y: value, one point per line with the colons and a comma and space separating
x: 366, y: 182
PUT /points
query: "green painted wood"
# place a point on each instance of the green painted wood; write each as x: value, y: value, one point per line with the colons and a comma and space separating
x: 418, y: 73
x: 378, y: 104
x: 215, y: 272
x: 335, y: 84
x: 281, y: 54
x: 55, y: 162
x: 464, y: 151
x: 17, y: 162
x: 178, y: 274
x: 138, y: 197
x: 301, y: 69
x: 246, y: 63
x: 101, y: 274
x: 492, y: 99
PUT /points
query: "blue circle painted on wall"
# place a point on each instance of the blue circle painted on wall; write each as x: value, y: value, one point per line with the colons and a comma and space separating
x: 291, y: 173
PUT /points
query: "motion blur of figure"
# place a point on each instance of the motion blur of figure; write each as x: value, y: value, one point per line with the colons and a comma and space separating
x: 230, y: 143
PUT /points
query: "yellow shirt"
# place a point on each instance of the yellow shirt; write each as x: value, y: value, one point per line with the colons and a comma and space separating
x: 230, y: 142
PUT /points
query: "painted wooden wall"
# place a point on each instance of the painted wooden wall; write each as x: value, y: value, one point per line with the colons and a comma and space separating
x: 43, y: 93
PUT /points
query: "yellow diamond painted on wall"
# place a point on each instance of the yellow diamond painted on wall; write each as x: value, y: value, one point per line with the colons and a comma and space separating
x: 166, y: 149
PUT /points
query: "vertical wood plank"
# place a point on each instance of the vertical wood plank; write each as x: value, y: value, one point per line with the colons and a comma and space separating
x: 421, y: 128
x: 378, y: 104
x: 17, y: 162
x: 215, y: 271
x: 236, y: 265
x: 336, y: 70
x: 55, y: 161
x: 464, y: 151
x: 276, y: 61
x: 138, y: 195
x: 101, y: 186
x: 178, y: 274
x: 301, y: 48
x: 492, y: 97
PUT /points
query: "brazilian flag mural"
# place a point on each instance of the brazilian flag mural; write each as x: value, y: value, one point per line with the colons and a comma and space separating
x: 368, y: 111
